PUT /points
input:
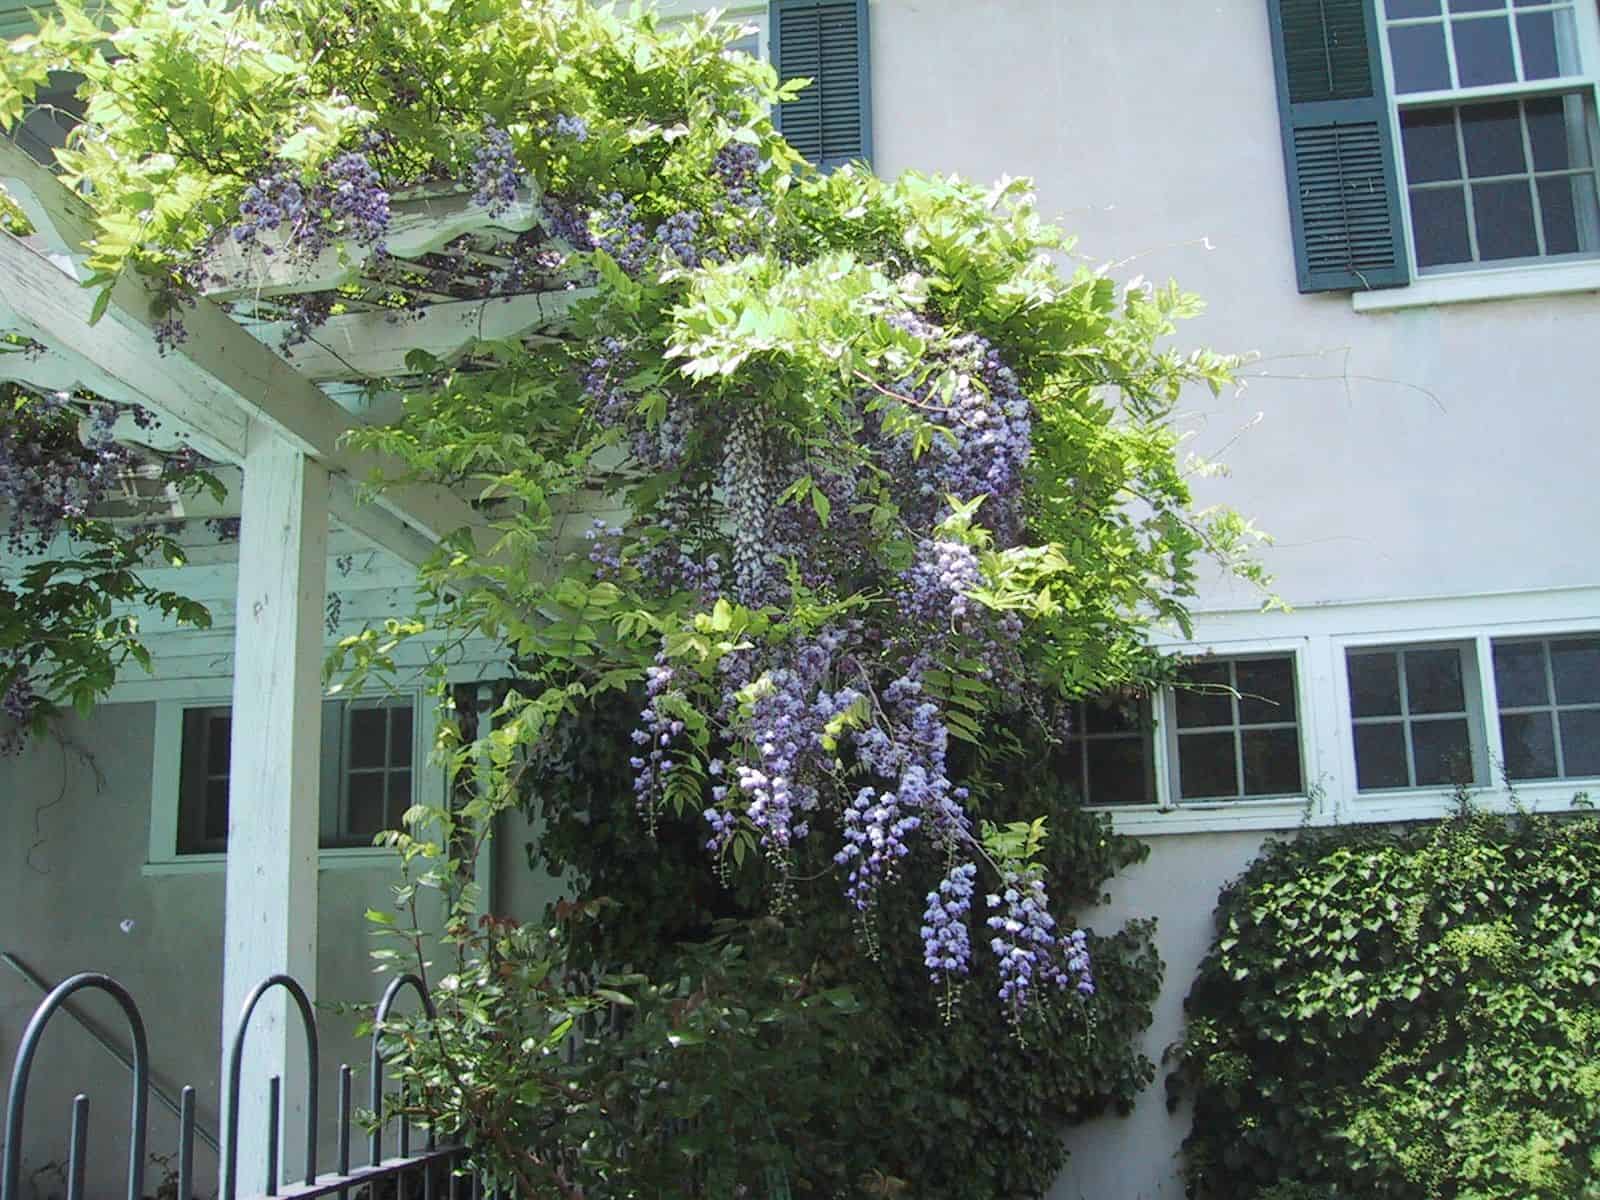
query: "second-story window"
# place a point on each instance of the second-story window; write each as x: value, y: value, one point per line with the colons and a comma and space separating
x: 1413, y: 713
x: 1497, y: 131
x: 1548, y: 690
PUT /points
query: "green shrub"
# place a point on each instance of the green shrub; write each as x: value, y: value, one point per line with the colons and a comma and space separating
x: 883, y: 1096
x: 1402, y: 1013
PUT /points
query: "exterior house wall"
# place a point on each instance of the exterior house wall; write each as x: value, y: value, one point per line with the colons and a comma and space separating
x: 1421, y: 469
x: 1442, y: 452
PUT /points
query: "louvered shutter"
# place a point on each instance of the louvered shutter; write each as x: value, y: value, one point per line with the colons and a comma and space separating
x: 1338, y: 149
x: 825, y: 41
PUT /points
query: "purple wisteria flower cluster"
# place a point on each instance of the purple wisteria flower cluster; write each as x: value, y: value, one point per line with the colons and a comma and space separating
x: 349, y: 199
x: 1027, y: 946
x: 938, y: 582
x: 946, y: 940
x: 605, y: 549
x: 495, y: 175
x: 55, y: 468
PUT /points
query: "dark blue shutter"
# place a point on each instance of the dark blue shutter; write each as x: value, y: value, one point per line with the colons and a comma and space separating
x: 1338, y: 149
x: 825, y: 41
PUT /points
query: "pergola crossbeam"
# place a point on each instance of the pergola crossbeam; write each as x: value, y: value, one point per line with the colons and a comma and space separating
x: 416, y: 227
x: 374, y: 344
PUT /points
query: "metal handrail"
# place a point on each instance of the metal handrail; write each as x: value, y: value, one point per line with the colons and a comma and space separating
x: 106, y: 1043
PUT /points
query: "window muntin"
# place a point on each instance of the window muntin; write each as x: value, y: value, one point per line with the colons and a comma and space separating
x: 1412, y: 712
x: 368, y: 750
x: 203, y: 780
x: 1548, y: 692
x: 1493, y: 179
x: 1236, y: 730
x: 1107, y: 757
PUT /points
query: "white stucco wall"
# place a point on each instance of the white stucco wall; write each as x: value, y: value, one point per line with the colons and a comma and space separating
x: 74, y: 896
x: 1428, y: 452
x: 1441, y: 452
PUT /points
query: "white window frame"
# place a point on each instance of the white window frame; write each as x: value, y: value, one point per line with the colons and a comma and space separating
x: 1474, y: 698
x: 1555, y: 708
x: 1169, y: 711
x: 1478, y: 282
x: 427, y: 785
x: 1319, y: 635
x: 1170, y: 813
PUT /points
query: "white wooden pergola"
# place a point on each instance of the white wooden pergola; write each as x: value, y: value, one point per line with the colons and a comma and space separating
x: 228, y: 392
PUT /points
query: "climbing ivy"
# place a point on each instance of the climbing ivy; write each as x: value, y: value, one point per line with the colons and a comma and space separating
x: 1404, y: 1013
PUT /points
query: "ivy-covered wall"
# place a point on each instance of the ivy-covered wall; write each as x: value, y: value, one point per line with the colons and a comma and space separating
x: 1402, y: 1013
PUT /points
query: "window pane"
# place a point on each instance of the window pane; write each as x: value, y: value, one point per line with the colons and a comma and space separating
x: 1556, y: 126
x: 1504, y: 213
x: 400, y: 737
x: 1441, y: 752
x: 1433, y: 681
x: 1580, y: 742
x: 219, y: 736
x: 1417, y: 52
x: 1549, y: 49
x: 216, y: 818
x: 1119, y: 771
x: 399, y: 798
x: 1110, y: 714
x: 1560, y: 200
x: 1492, y: 134
x: 365, y: 814
x: 1271, y: 762
x: 1374, y: 684
x: 1476, y: 5
x: 1530, y: 743
x: 1203, y: 695
x: 1399, y: 9
x: 1266, y: 690
x: 1483, y: 51
x: 367, y: 744
x: 1519, y: 674
x: 1068, y: 764
x: 1206, y: 765
x: 1439, y: 226
x: 1381, y: 756
x: 1428, y: 137
x: 1576, y: 666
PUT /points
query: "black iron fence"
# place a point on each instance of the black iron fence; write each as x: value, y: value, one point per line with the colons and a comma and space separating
x: 433, y: 1170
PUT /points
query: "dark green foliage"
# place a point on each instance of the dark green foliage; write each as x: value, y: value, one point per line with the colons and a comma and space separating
x: 1402, y: 1013
x: 889, y: 1096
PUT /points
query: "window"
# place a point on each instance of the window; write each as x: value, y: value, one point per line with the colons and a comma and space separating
x: 1495, y: 109
x: 1107, y: 755
x: 1548, y: 691
x: 1236, y: 731
x: 367, y: 779
x: 1469, y: 124
x: 825, y: 41
x: 1414, y: 712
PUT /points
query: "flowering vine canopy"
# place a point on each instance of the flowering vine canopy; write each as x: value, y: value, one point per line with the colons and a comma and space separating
x: 848, y: 479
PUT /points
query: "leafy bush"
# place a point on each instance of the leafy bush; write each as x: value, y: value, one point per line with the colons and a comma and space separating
x: 872, y: 1092
x: 1402, y: 1013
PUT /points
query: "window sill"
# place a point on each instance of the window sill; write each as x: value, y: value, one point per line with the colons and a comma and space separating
x: 342, y: 858
x: 1470, y: 287
x: 1224, y: 816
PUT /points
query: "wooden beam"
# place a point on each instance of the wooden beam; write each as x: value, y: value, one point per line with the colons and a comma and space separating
x: 370, y: 345
x: 63, y: 224
x: 274, y: 775
x: 416, y: 227
x: 220, y: 383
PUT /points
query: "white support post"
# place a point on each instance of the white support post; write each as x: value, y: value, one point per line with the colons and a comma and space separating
x: 270, y: 919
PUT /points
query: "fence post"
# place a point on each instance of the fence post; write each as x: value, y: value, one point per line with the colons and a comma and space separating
x: 16, y: 1098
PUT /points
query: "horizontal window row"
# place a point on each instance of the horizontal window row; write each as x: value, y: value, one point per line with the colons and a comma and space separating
x: 1231, y: 728
x: 368, y: 756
